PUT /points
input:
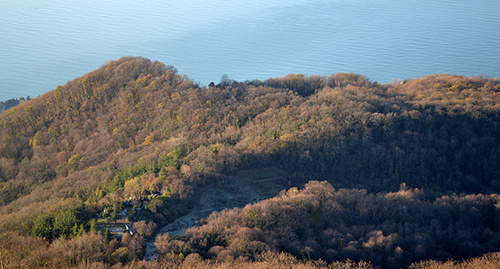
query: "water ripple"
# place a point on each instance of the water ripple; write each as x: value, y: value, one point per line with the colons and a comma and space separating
x: 47, y: 43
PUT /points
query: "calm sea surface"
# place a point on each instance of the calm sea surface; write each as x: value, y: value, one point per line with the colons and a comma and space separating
x: 45, y: 43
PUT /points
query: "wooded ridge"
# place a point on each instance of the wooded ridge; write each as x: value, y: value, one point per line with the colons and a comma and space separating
x: 374, y: 175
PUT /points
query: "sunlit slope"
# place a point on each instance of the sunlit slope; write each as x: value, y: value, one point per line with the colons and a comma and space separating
x: 438, y: 132
x: 136, y: 128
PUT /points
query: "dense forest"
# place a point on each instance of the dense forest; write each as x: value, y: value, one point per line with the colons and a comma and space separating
x: 394, y: 175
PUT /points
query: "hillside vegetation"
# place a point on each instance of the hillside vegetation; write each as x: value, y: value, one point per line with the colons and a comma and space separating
x: 406, y: 171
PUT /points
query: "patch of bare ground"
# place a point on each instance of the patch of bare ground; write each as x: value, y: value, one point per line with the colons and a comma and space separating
x: 245, y: 187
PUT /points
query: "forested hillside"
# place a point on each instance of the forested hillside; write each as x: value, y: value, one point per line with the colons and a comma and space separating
x: 391, y: 230
x: 409, y: 171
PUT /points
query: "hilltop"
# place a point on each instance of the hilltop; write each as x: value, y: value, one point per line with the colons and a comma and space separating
x: 136, y: 129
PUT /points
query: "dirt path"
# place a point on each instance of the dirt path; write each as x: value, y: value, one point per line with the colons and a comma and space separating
x: 151, y: 251
x: 246, y: 187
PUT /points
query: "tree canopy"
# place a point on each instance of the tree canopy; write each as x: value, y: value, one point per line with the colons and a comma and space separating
x: 135, y: 128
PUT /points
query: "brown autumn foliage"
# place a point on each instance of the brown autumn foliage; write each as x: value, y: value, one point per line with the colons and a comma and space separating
x: 391, y: 230
x: 134, y: 128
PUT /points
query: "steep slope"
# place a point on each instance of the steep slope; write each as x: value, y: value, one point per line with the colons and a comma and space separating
x: 134, y: 128
x: 390, y: 230
x: 62, y: 146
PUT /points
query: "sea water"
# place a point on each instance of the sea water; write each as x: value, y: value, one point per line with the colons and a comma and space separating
x: 45, y: 43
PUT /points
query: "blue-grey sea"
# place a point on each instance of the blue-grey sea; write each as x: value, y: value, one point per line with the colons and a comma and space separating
x: 45, y: 43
